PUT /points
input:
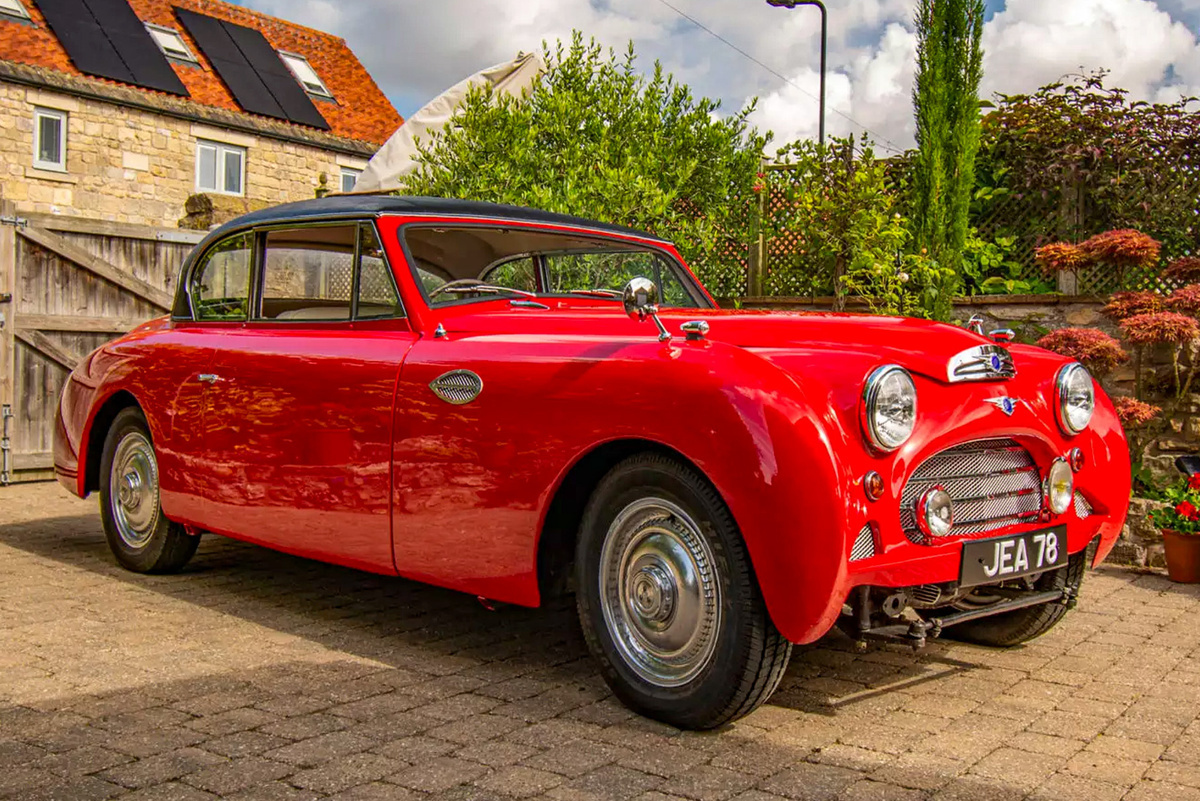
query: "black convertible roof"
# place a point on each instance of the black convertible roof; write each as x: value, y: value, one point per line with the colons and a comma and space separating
x: 358, y: 205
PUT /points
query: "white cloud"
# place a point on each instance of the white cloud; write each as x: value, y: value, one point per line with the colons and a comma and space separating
x: 415, y: 48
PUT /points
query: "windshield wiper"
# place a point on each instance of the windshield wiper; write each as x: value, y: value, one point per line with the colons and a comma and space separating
x: 466, y: 286
x: 606, y: 294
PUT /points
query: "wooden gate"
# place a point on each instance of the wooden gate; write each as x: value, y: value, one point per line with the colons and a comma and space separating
x: 67, y: 286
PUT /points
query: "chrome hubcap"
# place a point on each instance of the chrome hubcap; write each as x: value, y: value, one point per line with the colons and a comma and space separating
x: 134, y: 481
x: 659, y: 592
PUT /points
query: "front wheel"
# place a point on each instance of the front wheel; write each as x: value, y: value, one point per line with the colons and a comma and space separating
x: 668, y: 600
x: 139, y: 535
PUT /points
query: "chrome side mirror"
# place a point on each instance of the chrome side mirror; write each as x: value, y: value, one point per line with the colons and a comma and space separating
x: 641, y: 301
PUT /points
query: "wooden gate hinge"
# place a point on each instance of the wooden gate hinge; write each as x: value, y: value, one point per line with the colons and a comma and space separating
x: 16, y: 222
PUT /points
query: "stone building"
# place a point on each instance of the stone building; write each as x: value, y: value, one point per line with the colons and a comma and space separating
x: 123, y: 113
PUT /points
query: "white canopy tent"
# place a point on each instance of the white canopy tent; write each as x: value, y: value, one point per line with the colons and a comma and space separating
x: 398, y: 156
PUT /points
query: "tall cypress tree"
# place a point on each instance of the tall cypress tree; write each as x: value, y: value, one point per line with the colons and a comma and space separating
x: 946, y: 100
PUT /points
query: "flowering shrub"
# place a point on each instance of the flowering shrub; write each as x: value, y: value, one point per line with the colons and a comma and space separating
x: 1184, y: 268
x: 1123, y: 248
x: 1096, y: 350
x: 1160, y: 328
x: 1185, y: 300
x: 1183, y: 513
x: 1128, y: 304
x: 1133, y: 412
x: 1061, y: 256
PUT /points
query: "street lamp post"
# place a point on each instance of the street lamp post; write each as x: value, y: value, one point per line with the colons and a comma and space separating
x: 824, y: 43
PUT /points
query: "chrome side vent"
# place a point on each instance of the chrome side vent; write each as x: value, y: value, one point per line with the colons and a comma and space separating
x: 457, y: 387
x: 994, y: 483
x: 981, y: 363
x: 864, y: 544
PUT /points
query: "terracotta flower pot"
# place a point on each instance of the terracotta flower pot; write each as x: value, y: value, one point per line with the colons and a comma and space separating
x: 1183, y: 556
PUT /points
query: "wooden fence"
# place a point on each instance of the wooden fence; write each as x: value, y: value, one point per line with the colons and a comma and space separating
x: 67, y: 286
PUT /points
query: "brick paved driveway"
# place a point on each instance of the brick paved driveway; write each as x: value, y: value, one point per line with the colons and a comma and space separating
x: 260, y: 676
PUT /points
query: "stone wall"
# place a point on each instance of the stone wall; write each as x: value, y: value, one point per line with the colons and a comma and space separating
x: 132, y: 165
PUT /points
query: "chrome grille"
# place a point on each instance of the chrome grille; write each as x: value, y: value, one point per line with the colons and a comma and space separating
x: 864, y: 544
x: 994, y: 483
x: 457, y: 386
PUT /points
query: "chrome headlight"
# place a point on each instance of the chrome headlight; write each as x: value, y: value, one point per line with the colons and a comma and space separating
x: 1059, y: 488
x: 1076, y: 398
x: 889, y: 409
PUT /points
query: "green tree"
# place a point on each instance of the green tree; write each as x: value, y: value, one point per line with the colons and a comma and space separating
x: 837, y: 203
x: 946, y: 100
x: 595, y: 138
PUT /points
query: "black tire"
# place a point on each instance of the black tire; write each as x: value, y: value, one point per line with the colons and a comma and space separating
x: 158, y: 546
x: 748, y: 655
x: 1023, y: 625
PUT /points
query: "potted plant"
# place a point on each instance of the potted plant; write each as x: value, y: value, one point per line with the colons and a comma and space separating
x: 1179, y: 522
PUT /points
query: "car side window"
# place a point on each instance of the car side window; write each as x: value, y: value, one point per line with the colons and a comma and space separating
x: 519, y: 273
x: 377, y: 295
x: 221, y: 285
x: 308, y: 273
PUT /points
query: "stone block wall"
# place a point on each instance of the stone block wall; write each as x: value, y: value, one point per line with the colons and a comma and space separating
x: 133, y: 165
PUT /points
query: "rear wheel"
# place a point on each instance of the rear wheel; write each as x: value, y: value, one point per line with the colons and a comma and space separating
x: 139, y: 535
x: 1020, y: 625
x: 668, y: 600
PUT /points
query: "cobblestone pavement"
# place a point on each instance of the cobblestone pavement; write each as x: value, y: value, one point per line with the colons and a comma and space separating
x: 256, y: 675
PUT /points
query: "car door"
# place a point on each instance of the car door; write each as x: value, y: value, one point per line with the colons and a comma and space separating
x: 299, y: 420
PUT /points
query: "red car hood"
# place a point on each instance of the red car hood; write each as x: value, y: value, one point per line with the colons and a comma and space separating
x: 919, y: 345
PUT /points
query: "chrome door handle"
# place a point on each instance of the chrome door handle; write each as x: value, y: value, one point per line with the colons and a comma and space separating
x: 209, y: 378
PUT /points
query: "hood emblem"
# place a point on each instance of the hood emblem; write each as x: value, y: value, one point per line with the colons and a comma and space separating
x: 1005, y: 404
x: 981, y: 363
x: 457, y: 387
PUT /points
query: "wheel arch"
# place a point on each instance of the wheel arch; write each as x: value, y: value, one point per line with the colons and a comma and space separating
x: 564, y: 512
x: 97, y: 433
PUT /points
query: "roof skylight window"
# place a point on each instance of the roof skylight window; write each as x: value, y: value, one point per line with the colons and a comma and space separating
x: 305, y: 74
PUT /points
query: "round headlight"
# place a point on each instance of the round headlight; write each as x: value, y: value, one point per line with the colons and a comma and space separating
x: 1076, y: 398
x: 1060, y: 486
x: 935, y: 513
x: 889, y: 409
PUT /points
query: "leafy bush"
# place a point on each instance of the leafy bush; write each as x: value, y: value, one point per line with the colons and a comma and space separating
x: 1095, y: 350
x: 595, y: 138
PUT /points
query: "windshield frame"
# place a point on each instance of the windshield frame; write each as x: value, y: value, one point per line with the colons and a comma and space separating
x: 668, y: 260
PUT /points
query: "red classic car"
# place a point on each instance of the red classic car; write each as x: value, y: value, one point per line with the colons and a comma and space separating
x: 513, y: 403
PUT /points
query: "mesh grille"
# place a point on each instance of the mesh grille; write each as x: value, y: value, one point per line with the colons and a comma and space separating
x: 864, y: 544
x: 1083, y: 509
x: 994, y: 483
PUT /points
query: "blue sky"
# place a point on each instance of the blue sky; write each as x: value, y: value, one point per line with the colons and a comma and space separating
x: 416, y: 48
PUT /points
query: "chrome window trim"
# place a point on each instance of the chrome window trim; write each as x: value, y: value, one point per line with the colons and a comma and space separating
x: 690, y: 284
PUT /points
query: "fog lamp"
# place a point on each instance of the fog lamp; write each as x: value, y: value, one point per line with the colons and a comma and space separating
x: 935, y: 512
x: 1059, y: 488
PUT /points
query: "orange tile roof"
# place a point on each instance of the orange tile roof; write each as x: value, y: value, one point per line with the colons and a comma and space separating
x: 361, y: 111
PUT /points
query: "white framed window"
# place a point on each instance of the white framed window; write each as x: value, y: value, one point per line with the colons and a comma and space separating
x: 305, y: 74
x: 220, y: 168
x: 170, y: 42
x: 349, y: 179
x: 13, y: 8
x: 50, y: 139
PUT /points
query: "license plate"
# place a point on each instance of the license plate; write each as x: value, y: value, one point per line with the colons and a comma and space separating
x: 1002, y: 558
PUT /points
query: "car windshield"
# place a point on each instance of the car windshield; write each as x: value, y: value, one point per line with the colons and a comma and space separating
x: 463, y: 265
